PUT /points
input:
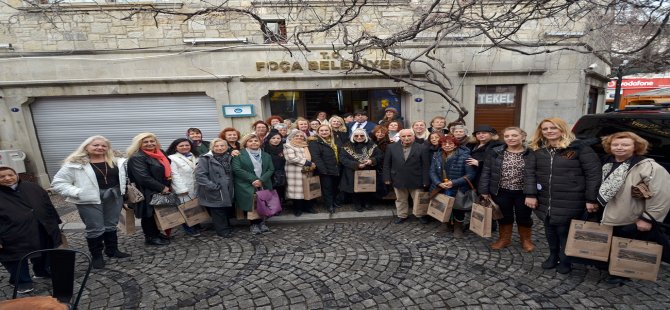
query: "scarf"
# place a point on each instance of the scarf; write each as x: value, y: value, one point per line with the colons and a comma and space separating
x: 303, y: 146
x: 255, y: 156
x: 360, y: 151
x: 161, y: 158
x: 331, y: 142
x: 612, y: 181
x: 224, y: 160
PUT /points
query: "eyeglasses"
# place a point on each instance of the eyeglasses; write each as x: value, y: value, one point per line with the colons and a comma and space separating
x: 359, y: 136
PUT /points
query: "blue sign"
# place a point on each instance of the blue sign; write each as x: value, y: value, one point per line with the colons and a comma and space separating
x: 15, y: 110
x: 238, y: 110
x: 418, y: 99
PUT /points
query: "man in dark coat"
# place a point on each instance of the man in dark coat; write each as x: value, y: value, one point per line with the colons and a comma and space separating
x: 406, y: 167
x: 360, y: 121
x: 28, y: 222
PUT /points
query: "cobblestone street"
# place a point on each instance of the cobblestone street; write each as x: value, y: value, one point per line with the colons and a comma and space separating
x: 363, y: 263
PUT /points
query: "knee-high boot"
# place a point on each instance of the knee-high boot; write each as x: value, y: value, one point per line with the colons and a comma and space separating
x: 95, y: 246
x: 112, y: 245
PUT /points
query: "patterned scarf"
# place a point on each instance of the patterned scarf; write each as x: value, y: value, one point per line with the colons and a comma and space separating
x: 613, y: 181
x: 255, y: 156
x: 224, y: 160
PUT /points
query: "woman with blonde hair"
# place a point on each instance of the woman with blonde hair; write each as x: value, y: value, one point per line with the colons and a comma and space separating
x: 439, y: 124
x: 149, y: 168
x: 323, y: 149
x: 562, y: 176
x: 253, y: 171
x: 95, y: 181
x: 339, y: 129
x: 420, y: 131
x: 302, y: 124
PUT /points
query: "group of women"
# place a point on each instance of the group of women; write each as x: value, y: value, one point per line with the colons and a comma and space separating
x: 555, y: 175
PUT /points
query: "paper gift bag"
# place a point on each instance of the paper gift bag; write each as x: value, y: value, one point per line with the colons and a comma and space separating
x: 589, y: 240
x: 480, y: 220
x: 440, y: 207
x: 635, y: 259
x: 422, y: 202
x: 311, y: 186
x: 127, y: 220
x: 365, y: 181
x: 193, y: 213
x: 168, y: 217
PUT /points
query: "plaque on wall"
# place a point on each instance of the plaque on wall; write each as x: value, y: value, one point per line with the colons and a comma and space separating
x: 238, y: 110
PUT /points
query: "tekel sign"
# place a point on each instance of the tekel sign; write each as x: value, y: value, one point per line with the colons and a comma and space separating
x: 495, y: 98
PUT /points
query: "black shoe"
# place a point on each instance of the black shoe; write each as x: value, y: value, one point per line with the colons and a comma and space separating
x: 164, y: 237
x: 564, y: 268
x: 112, y: 245
x: 331, y: 210
x: 616, y: 280
x: 336, y: 205
x: 359, y: 208
x: 423, y: 219
x: 550, y: 262
x: 297, y: 212
x: 98, y: 262
x: 400, y: 220
x: 368, y: 206
x: 310, y: 210
x: 227, y: 234
x: 156, y: 241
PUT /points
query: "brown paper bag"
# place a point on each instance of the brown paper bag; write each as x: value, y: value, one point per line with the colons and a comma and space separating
x: 127, y: 220
x: 422, y: 202
x: 168, y: 217
x: 193, y: 213
x: 440, y: 207
x: 239, y: 213
x: 311, y: 186
x: 635, y: 259
x: 365, y: 181
x: 480, y: 220
x: 589, y: 240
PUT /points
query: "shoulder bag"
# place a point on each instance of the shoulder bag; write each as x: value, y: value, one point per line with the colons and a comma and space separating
x: 463, y: 201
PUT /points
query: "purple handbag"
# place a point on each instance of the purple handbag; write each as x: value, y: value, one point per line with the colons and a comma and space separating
x: 267, y: 203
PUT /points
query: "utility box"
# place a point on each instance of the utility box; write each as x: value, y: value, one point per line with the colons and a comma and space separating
x: 14, y: 159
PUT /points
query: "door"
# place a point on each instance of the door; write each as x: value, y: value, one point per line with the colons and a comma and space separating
x: 497, y: 105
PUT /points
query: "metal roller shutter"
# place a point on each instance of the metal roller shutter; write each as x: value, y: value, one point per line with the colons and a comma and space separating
x: 62, y: 123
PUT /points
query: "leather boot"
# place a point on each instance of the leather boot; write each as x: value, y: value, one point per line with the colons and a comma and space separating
x: 112, y: 245
x: 504, y: 237
x: 95, y: 246
x: 458, y: 229
x: 525, y: 234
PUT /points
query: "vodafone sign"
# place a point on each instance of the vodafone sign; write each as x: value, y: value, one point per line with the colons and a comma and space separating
x: 641, y: 83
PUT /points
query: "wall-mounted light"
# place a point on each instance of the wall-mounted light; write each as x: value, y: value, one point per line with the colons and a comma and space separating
x: 6, y: 46
x: 214, y: 40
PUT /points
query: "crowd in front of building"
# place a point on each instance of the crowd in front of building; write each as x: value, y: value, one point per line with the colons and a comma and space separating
x: 550, y: 173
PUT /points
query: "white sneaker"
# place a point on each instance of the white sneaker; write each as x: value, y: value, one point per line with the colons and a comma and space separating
x: 25, y: 288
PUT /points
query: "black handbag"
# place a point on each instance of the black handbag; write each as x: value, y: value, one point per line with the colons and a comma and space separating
x: 660, y: 232
x: 463, y: 201
x: 164, y: 200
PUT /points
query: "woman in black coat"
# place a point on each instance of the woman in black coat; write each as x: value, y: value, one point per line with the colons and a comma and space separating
x: 274, y: 145
x: 360, y: 153
x: 28, y: 222
x: 323, y: 148
x: 564, y: 175
x: 485, y: 139
x: 149, y: 168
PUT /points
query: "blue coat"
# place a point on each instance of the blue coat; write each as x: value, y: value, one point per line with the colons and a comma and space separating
x: 455, y: 170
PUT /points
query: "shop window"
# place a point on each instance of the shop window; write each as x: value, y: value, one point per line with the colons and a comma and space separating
x: 274, y: 31
x: 498, y: 105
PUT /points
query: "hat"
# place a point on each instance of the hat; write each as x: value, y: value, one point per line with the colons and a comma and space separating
x: 484, y: 128
x: 392, y: 109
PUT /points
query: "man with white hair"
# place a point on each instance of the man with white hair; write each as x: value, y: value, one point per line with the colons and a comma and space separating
x: 406, y: 167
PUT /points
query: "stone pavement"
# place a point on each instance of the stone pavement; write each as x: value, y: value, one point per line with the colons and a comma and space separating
x: 354, y: 263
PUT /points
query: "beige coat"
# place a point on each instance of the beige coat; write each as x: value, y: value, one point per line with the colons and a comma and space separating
x: 295, y: 161
x: 623, y: 209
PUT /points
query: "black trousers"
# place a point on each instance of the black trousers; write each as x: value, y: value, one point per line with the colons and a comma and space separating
x: 512, y: 206
x: 557, y: 236
x: 328, y: 189
x: 220, y: 220
x: 149, y: 227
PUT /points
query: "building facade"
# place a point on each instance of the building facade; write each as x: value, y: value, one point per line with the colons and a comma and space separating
x: 84, y: 69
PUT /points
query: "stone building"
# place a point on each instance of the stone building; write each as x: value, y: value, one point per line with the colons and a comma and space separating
x: 76, y: 69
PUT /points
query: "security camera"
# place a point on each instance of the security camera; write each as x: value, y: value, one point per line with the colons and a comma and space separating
x: 593, y: 66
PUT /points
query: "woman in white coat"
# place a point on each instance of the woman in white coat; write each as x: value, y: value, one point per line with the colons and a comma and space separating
x: 95, y: 181
x: 183, y: 157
